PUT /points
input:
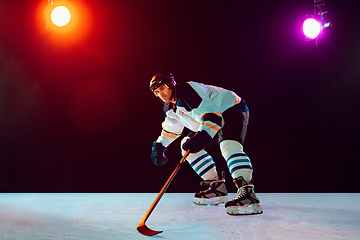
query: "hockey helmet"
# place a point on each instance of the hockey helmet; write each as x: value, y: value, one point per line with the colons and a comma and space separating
x: 163, y: 77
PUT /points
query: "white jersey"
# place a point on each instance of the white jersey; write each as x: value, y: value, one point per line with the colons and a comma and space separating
x: 198, y: 107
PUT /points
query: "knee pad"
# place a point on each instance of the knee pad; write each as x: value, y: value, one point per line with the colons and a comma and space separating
x: 238, y: 162
x: 228, y: 147
x: 201, y: 162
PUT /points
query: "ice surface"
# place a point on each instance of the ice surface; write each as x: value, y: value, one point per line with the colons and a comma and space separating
x: 115, y: 216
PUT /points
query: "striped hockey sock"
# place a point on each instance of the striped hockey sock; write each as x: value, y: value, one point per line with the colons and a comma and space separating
x: 203, y: 165
x: 201, y: 162
x: 238, y: 162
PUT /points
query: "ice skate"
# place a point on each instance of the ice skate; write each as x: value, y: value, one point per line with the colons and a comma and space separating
x: 215, y: 193
x: 246, y: 201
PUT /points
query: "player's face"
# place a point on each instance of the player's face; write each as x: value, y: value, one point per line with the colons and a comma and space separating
x: 163, y: 92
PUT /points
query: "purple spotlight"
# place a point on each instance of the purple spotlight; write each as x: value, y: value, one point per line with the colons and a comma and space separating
x: 311, y: 28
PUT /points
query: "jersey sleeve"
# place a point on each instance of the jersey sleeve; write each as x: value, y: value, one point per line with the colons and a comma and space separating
x: 171, y: 130
x: 195, y: 98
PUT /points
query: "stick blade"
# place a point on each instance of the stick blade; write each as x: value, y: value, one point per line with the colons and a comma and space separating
x: 144, y: 230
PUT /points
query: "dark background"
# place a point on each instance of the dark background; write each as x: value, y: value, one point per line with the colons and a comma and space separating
x: 76, y: 114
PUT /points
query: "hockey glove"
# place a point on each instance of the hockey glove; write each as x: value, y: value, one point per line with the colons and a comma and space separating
x: 157, y: 154
x: 197, y: 142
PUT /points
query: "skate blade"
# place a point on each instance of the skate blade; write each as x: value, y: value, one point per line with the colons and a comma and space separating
x: 245, y: 210
x: 211, y: 201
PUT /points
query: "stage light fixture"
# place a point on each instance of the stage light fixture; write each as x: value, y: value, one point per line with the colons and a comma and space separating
x: 315, y: 24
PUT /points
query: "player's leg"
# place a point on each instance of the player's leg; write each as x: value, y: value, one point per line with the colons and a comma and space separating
x: 215, y: 191
x: 239, y: 164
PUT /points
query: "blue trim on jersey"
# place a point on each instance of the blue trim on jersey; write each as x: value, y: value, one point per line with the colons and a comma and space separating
x: 167, y: 107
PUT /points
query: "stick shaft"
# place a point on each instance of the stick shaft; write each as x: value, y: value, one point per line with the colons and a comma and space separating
x: 164, y: 188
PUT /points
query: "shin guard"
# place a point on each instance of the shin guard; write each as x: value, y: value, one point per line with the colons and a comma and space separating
x: 202, y: 163
x: 238, y: 162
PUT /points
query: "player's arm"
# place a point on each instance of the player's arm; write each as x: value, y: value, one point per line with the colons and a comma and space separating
x: 210, y: 125
x: 171, y: 130
x: 204, y: 110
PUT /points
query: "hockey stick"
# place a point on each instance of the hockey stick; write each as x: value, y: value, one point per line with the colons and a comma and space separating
x: 142, y: 228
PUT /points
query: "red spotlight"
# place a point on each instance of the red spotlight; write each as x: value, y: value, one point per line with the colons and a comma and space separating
x: 60, y: 16
x: 63, y: 20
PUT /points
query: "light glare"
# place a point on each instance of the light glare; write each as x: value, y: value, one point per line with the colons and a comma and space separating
x: 311, y: 28
x: 60, y: 16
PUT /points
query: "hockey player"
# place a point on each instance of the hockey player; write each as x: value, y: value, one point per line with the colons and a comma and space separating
x: 215, y: 116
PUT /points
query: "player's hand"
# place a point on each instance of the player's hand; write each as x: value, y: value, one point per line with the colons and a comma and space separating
x: 197, y: 142
x: 158, y: 154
